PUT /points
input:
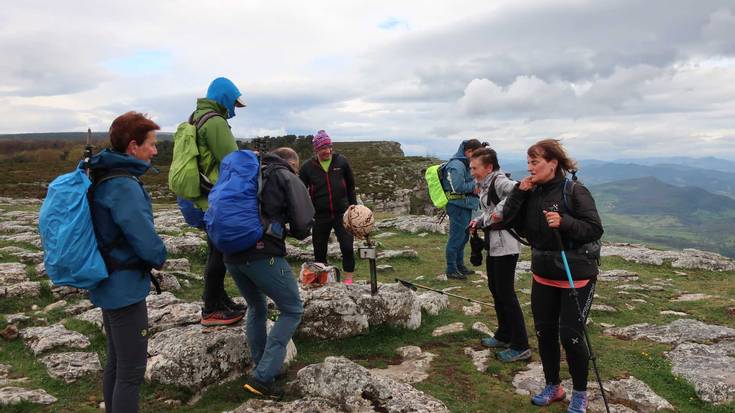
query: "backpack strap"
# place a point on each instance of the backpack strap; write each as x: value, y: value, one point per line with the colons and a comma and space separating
x: 492, y: 195
x: 567, y: 190
x: 205, y: 185
x: 567, y: 193
x: 112, y: 265
x: 203, y: 119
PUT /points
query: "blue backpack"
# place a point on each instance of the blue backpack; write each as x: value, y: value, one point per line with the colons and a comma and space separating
x: 193, y: 215
x: 71, y: 253
x: 233, y: 218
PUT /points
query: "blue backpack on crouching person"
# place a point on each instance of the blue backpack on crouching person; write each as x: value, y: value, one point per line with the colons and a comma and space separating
x: 233, y: 218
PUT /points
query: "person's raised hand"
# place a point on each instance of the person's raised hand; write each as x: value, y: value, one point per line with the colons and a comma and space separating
x: 553, y: 219
x: 526, y: 183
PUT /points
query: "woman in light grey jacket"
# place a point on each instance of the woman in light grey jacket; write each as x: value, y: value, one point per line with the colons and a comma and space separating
x: 502, y: 256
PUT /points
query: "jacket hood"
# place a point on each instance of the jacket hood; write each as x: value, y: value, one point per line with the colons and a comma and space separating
x: 273, y: 162
x: 224, y: 92
x: 109, y: 159
x: 460, y: 152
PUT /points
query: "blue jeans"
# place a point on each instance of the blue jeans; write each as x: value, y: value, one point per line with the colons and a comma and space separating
x: 459, y: 219
x: 257, y: 279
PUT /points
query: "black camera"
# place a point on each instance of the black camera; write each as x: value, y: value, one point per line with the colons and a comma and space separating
x: 477, y: 246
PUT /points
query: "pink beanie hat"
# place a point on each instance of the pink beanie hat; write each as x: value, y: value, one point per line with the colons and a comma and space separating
x: 321, y: 140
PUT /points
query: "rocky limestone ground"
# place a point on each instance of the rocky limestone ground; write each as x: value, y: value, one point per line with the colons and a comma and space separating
x: 667, y: 319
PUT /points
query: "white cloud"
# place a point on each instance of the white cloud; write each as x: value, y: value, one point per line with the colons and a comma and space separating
x: 611, y: 78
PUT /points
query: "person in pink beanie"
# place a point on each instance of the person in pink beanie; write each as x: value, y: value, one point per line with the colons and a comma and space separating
x: 331, y: 184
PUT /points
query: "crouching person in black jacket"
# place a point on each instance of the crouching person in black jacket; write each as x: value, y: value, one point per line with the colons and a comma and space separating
x: 544, y: 202
x: 262, y: 271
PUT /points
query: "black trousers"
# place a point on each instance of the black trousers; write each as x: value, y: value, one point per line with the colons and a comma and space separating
x: 501, y: 281
x: 556, y: 316
x: 320, y: 238
x: 214, y: 295
x: 127, y: 354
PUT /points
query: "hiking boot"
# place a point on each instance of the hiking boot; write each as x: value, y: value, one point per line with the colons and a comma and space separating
x: 493, y: 342
x: 466, y: 271
x: 578, y: 404
x: 510, y: 355
x: 266, y: 391
x: 550, y: 394
x: 456, y: 275
x: 221, y: 318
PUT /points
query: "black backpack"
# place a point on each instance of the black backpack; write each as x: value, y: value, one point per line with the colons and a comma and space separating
x: 591, y: 249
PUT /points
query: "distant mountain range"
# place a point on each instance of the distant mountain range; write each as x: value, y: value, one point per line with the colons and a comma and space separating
x: 671, y: 202
x: 653, y: 212
x: 678, y: 174
x: 709, y: 162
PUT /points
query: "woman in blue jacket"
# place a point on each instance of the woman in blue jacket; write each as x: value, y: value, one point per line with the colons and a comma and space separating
x: 123, y: 220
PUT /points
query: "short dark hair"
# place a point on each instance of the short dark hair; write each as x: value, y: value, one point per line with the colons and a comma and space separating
x: 486, y: 156
x: 286, y: 153
x: 130, y: 126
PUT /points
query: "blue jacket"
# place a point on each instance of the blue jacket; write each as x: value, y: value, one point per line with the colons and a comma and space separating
x: 457, y: 179
x: 123, y: 219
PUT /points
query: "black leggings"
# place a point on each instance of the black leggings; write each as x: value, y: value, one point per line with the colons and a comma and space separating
x: 127, y: 354
x: 214, y: 294
x: 501, y: 281
x: 320, y: 238
x: 556, y: 316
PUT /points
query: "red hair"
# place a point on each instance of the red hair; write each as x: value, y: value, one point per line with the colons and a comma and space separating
x: 128, y: 127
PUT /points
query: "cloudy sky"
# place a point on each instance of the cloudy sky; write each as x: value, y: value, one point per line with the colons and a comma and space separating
x: 613, y: 79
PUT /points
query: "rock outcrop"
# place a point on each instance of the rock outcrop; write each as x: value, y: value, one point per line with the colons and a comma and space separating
x: 336, y: 311
x: 41, y: 339
x: 353, y: 388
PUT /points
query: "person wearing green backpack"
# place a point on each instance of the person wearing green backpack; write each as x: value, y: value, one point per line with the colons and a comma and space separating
x: 214, y: 141
x: 462, y: 193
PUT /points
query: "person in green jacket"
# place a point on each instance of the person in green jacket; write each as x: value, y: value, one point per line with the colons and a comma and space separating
x: 215, y: 141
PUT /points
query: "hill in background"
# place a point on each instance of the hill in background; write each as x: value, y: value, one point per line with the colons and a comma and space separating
x: 670, y: 205
x: 656, y: 213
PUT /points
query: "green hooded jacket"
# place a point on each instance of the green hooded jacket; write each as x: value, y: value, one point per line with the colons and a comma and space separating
x: 214, y: 140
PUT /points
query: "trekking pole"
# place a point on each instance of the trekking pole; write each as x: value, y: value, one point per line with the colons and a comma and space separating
x: 413, y: 286
x: 88, y: 150
x: 581, y: 317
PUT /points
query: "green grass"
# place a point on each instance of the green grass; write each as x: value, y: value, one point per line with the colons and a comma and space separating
x: 453, y: 379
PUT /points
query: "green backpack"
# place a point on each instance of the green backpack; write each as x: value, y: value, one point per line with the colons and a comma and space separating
x: 184, y: 177
x: 433, y: 178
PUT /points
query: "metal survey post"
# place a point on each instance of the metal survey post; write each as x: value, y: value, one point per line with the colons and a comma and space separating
x: 368, y: 252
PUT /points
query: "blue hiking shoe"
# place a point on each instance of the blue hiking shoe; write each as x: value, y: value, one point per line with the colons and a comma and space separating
x: 578, y: 404
x: 550, y: 394
x: 492, y: 342
x: 510, y: 355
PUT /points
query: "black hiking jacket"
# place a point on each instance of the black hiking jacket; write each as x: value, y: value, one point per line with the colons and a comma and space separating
x: 331, y: 191
x: 283, y: 200
x: 523, y: 211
